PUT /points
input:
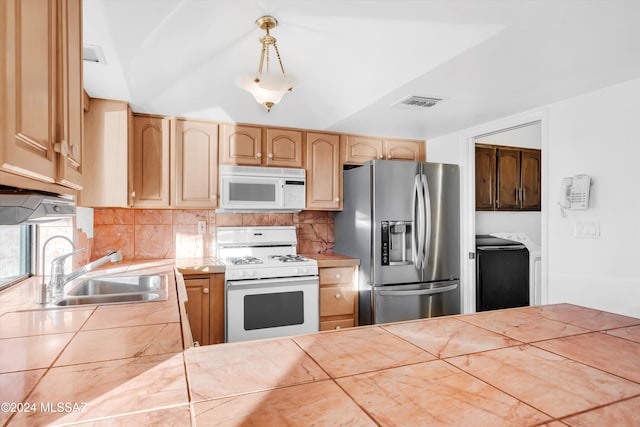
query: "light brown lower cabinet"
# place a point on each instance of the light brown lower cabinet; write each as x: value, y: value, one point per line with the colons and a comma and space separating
x: 205, y: 307
x: 338, y: 298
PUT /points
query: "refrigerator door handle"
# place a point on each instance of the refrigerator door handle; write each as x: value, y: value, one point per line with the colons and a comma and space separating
x: 417, y: 291
x: 415, y: 251
x: 427, y: 220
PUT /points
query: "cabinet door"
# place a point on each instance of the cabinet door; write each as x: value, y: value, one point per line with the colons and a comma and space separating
x: 196, y: 164
x: 508, y: 164
x: 413, y: 151
x: 324, y: 172
x: 360, y: 149
x: 216, y: 309
x: 530, y: 173
x: 70, y: 123
x: 284, y: 148
x: 29, y: 107
x: 150, y: 161
x: 485, y: 178
x: 197, y: 307
x: 107, y: 128
x: 240, y: 145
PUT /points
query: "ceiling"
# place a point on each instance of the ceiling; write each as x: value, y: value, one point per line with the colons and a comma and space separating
x: 354, y: 59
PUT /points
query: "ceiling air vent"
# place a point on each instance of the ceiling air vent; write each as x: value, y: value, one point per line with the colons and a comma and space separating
x: 416, y: 102
x: 91, y: 53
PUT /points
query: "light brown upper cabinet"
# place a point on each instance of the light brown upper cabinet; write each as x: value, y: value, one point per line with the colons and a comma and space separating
x: 324, y: 171
x: 284, y: 148
x: 150, y: 161
x: 108, y: 174
x: 360, y: 149
x: 196, y: 164
x: 258, y: 146
x: 42, y: 64
x: 508, y: 178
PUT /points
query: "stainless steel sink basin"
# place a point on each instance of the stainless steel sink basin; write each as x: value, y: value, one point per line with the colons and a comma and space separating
x: 107, y: 299
x: 117, y: 285
x: 115, y: 290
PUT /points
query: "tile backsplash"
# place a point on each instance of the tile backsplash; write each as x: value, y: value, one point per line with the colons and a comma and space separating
x: 160, y: 233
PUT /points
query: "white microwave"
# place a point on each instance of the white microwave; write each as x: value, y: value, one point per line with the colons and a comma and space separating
x: 261, y: 189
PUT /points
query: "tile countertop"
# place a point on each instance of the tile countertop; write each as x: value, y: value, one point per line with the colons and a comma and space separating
x: 124, y: 365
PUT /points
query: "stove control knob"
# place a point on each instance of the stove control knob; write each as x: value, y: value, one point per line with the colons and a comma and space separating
x: 240, y: 273
x: 304, y: 270
x: 295, y: 271
x: 250, y: 273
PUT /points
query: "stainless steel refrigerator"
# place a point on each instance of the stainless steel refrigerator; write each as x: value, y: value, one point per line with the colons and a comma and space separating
x: 402, y: 220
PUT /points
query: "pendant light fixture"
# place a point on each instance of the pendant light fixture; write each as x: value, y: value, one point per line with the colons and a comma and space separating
x: 267, y: 86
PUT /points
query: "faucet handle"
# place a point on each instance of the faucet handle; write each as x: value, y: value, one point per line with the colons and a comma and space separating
x: 61, y: 258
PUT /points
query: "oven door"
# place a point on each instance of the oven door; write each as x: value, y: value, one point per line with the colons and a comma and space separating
x: 268, y: 308
x: 251, y: 192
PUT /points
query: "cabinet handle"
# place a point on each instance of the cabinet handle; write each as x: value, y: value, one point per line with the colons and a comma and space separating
x: 270, y: 155
x: 75, y: 150
x: 258, y: 155
x: 205, y: 290
x: 338, y: 296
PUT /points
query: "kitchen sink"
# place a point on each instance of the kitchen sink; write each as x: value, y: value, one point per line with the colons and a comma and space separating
x: 117, y: 285
x: 115, y: 290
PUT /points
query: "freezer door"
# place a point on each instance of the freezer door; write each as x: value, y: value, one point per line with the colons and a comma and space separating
x: 416, y: 301
x: 442, y: 248
x: 393, y: 222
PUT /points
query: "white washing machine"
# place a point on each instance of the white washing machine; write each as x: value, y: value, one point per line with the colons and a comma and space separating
x: 535, y: 263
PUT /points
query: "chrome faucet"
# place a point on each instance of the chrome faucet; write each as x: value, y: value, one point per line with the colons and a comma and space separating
x: 45, y: 290
x: 58, y: 279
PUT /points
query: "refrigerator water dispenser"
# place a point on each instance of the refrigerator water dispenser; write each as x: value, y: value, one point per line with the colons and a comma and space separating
x: 396, y: 242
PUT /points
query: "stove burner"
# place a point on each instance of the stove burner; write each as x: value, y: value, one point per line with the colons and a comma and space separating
x: 245, y: 260
x: 289, y: 258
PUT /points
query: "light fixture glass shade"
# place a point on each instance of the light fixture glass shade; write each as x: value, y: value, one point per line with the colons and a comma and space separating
x: 267, y: 88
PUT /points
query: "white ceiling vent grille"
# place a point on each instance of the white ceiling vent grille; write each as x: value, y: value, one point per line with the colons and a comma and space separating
x: 91, y: 53
x: 416, y: 102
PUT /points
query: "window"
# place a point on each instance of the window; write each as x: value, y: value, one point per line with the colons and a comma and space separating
x: 15, y: 253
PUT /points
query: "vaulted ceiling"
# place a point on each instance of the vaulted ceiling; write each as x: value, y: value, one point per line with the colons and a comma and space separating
x: 353, y: 59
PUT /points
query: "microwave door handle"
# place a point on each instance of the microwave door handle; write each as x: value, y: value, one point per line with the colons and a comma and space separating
x: 427, y: 219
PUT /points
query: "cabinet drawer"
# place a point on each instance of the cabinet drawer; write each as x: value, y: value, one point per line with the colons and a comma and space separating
x: 335, y: 300
x: 336, y: 324
x: 335, y: 275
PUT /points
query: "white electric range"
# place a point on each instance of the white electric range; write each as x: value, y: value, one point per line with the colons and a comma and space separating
x: 270, y: 290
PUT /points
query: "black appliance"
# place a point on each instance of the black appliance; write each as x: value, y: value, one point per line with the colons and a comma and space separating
x: 502, y: 273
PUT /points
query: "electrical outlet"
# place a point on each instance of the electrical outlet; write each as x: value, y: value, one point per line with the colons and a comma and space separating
x: 202, y: 227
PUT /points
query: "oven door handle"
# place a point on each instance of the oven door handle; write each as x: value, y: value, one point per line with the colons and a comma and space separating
x: 281, y: 281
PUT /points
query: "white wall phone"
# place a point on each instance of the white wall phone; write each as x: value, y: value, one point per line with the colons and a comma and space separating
x: 575, y: 192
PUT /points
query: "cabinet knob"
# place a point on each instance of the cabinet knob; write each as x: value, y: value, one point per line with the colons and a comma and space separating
x: 381, y: 156
x: 258, y: 155
x: 338, y: 296
x: 337, y: 199
x: 389, y: 157
x: 271, y: 155
x: 133, y: 194
x: 205, y: 290
x: 75, y: 150
x: 338, y: 275
x: 61, y: 147
x: 214, y: 196
x: 338, y: 327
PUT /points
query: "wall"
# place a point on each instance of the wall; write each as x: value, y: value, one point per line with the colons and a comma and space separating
x: 164, y: 233
x: 595, y: 133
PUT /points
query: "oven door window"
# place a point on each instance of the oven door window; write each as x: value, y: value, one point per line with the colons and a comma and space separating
x: 273, y: 310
